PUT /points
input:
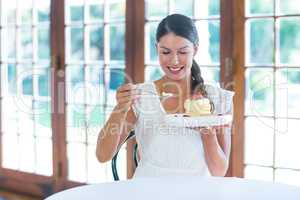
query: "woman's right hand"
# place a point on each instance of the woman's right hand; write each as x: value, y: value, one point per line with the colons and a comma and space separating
x: 126, y: 95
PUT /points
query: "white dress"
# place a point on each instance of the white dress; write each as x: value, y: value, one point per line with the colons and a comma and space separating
x: 165, y: 150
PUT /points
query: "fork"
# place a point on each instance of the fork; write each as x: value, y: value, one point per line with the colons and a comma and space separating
x: 162, y: 96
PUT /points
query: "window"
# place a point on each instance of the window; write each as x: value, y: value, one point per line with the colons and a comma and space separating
x: 54, y: 103
x: 272, y: 82
x: 95, y: 64
x: 25, y: 87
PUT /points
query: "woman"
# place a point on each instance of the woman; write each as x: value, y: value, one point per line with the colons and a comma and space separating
x: 166, y: 150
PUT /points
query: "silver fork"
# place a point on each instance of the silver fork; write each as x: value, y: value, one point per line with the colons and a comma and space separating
x: 162, y: 96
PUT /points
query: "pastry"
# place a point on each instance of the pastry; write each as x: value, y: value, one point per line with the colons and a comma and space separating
x: 197, y: 107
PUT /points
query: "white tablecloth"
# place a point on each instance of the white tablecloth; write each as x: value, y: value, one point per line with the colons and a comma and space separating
x: 183, y: 188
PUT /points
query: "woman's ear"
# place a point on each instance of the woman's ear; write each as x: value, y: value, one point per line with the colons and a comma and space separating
x: 195, y: 49
x: 156, y: 46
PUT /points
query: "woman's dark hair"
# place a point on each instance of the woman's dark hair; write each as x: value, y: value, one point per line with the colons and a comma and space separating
x: 183, y: 26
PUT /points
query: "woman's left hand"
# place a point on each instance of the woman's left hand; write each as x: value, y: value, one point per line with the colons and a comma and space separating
x: 210, y: 130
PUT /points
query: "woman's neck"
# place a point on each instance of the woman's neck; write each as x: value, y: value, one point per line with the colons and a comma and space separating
x: 181, y: 87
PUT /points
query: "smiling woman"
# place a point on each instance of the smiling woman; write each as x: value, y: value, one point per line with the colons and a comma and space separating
x: 167, y: 150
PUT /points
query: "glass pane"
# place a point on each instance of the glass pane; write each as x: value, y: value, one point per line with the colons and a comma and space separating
x: 96, y: 171
x: 209, y: 44
x: 150, y: 41
x: 8, y: 50
x: 11, y: 79
x: 9, y: 110
x: 76, y: 123
x: 43, y: 9
x: 287, y: 144
x: 76, y: 13
x: 117, y: 42
x: 259, y: 144
x: 42, y: 117
x: 259, y: 173
x: 184, y: 7
x: 8, y: 12
x: 44, y: 156
x: 117, y: 10
x: 95, y: 85
x: 260, y: 7
x: 290, y: 177
x: 96, y: 43
x: 26, y: 123
x: 10, y: 151
x: 259, y: 92
x: 26, y: 11
x: 287, y: 93
x: 290, y: 40
x: 211, y: 75
x: 206, y: 8
x: 96, y: 12
x: 27, y: 151
x: 289, y: 7
x: 75, y: 43
x: 44, y: 83
x: 258, y: 50
x: 43, y: 45
x: 95, y: 121
x: 26, y: 43
x: 116, y: 78
x: 153, y: 73
x: 25, y: 78
x: 75, y: 84
x: 77, y: 162
x: 156, y: 8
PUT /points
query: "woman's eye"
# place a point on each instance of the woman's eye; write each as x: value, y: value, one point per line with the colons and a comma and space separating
x: 183, y: 52
x: 165, y: 53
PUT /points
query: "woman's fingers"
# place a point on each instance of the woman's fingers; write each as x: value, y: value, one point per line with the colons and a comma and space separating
x: 127, y: 87
x: 206, y: 130
x: 214, y: 127
x: 126, y: 95
x: 127, y: 99
x: 210, y: 129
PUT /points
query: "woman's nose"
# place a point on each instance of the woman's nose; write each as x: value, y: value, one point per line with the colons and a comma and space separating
x: 174, y: 60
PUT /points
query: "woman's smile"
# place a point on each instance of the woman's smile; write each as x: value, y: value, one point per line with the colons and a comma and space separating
x: 175, y: 70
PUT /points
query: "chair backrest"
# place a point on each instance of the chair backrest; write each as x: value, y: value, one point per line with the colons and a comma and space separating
x: 114, y: 159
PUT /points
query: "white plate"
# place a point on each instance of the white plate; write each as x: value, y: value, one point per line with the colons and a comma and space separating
x: 179, y: 120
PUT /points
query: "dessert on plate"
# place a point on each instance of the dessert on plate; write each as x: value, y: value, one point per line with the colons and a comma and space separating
x: 198, y: 113
x: 197, y: 107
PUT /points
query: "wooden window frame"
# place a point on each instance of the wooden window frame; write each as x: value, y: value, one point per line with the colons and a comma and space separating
x: 238, y: 51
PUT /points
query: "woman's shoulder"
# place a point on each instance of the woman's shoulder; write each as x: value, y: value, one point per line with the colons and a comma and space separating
x: 221, y: 98
x: 213, y: 90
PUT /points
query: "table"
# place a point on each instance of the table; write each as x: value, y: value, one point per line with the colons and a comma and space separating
x: 183, y: 188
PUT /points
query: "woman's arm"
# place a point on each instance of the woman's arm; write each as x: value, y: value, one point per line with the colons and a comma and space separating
x: 113, y: 134
x: 119, y: 124
x: 216, y: 145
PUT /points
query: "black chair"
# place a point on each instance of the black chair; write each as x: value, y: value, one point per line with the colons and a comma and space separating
x: 114, y: 159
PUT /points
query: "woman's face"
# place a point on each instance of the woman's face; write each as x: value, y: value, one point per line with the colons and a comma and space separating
x: 176, y: 56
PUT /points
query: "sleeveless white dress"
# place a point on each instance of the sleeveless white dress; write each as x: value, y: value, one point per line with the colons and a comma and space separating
x: 165, y: 150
